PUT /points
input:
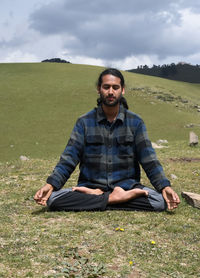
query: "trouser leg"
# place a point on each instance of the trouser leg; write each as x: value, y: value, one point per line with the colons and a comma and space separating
x: 68, y: 200
x: 154, y: 202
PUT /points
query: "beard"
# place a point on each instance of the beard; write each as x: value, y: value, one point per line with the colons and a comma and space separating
x: 107, y: 102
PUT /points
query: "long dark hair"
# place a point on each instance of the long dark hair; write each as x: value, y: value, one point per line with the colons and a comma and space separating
x: 111, y: 71
x: 117, y: 73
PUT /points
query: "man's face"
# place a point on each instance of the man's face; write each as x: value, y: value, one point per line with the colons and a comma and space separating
x: 110, y: 90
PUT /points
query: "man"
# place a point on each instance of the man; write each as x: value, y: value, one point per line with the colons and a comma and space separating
x: 109, y: 143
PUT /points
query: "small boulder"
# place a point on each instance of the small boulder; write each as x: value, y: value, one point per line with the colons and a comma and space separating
x: 161, y: 141
x: 193, y: 139
x: 174, y: 177
x: 23, y: 158
x: 192, y: 199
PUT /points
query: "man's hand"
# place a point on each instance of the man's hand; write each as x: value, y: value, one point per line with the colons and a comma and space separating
x: 43, y: 194
x: 170, y: 197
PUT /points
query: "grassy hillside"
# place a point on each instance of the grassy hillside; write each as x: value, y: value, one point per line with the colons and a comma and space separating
x: 38, y: 243
x: 41, y: 102
x: 39, y: 106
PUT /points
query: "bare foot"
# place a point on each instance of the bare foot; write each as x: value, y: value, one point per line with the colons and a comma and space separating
x: 119, y: 195
x: 87, y: 190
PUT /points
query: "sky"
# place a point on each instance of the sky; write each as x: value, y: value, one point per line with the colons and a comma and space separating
x: 111, y: 33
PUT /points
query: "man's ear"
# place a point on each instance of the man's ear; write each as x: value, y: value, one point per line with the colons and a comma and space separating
x: 123, y: 91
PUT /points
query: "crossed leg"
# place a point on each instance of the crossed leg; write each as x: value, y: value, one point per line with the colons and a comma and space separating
x: 118, y: 195
x: 69, y: 199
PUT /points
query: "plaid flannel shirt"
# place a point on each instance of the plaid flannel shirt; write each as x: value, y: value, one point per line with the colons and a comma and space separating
x: 109, y: 154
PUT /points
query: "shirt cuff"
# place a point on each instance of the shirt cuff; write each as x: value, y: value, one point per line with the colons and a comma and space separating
x: 54, y: 183
x: 163, y: 184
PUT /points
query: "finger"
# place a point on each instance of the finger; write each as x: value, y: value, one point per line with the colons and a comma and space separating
x: 173, y: 205
x: 177, y: 199
x: 48, y: 194
x: 47, y: 197
x: 40, y: 202
x: 37, y: 196
x: 169, y: 205
x: 77, y: 189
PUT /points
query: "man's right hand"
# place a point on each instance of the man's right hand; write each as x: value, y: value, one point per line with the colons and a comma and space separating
x: 42, y: 195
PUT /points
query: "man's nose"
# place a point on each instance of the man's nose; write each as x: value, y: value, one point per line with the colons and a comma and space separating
x: 110, y: 91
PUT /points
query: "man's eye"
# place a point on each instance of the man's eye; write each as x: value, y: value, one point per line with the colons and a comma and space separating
x: 115, y: 87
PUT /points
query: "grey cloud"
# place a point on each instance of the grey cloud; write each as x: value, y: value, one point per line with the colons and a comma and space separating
x: 194, y: 5
x: 112, y: 29
x: 12, y: 43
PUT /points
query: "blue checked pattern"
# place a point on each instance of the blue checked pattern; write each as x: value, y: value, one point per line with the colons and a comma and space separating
x: 109, y: 154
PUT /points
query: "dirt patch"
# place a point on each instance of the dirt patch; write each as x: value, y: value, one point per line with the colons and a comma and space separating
x: 136, y: 273
x: 185, y: 159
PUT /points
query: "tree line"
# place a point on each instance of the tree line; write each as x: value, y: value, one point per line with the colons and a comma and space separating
x: 181, y: 71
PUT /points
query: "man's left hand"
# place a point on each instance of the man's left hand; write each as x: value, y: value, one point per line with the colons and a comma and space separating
x: 170, y: 197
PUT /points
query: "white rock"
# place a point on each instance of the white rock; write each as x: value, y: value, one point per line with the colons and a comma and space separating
x: 193, y: 139
x: 174, y: 177
x: 160, y: 141
x: 23, y: 158
x: 156, y: 146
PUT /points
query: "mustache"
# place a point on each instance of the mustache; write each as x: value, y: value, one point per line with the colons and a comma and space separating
x: 110, y: 96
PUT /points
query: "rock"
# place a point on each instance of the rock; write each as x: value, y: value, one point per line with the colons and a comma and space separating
x: 23, y: 158
x: 193, y: 139
x: 174, y: 177
x: 156, y: 146
x: 160, y: 142
x: 192, y: 199
x: 189, y: 125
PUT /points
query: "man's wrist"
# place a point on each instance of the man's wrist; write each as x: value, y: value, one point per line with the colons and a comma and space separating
x: 53, y: 183
x: 50, y: 186
x: 165, y: 187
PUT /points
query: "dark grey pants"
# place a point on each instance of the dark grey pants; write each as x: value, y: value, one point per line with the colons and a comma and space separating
x: 68, y: 200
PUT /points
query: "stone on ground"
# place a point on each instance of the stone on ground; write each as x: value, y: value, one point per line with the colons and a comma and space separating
x: 192, y: 199
x: 193, y: 139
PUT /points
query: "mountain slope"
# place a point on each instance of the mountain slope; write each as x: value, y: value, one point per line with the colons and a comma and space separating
x: 40, y: 103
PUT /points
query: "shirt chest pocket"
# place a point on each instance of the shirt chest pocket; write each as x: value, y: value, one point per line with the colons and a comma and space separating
x: 125, y: 145
x: 94, y: 146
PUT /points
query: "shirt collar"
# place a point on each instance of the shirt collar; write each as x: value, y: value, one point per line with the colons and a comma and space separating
x: 101, y: 115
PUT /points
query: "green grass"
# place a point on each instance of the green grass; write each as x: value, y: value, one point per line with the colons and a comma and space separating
x: 40, y: 103
x: 38, y: 243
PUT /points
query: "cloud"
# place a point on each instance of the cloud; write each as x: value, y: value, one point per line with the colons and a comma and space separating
x: 110, y: 33
x: 19, y: 56
x: 112, y: 30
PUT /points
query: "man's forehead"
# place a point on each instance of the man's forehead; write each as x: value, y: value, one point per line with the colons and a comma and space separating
x: 109, y: 78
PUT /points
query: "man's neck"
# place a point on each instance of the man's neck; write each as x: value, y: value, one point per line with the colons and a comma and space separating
x: 111, y: 112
